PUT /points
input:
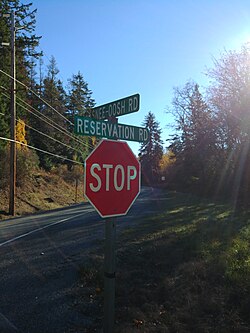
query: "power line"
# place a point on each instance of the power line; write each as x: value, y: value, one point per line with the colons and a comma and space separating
x: 76, y: 139
x: 60, y: 129
x: 56, y: 126
x: 50, y: 137
x: 40, y: 117
x: 42, y: 151
x: 33, y: 92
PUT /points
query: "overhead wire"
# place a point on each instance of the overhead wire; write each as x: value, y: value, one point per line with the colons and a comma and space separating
x: 50, y: 137
x: 39, y: 117
x: 50, y: 122
x: 41, y: 150
x: 45, y: 102
x: 33, y: 92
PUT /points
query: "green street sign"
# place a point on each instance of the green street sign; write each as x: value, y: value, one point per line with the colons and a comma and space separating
x: 105, y: 129
x: 117, y: 108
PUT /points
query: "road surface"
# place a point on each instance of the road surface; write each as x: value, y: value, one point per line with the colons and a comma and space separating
x: 40, y: 259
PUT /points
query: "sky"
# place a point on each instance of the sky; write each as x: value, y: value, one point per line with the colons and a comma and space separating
x: 124, y: 47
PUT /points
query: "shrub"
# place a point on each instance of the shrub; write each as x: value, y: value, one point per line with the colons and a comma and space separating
x: 27, y: 163
x: 4, y: 167
x: 70, y: 176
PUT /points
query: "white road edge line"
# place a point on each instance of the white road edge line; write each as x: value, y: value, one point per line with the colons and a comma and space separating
x: 39, y: 229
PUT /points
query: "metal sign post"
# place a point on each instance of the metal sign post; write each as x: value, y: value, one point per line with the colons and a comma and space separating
x: 111, y: 180
x: 109, y: 276
x: 111, y: 184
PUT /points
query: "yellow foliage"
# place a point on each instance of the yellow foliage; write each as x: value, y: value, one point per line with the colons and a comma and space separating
x: 20, y: 134
x: 167, y: 160
x: 94, y: 141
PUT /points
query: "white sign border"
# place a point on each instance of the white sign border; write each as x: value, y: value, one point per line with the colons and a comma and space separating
x: 113, y: 215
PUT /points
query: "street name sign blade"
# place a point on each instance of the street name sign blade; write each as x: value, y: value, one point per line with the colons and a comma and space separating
x: 91, y: 127
x: 117, y: 108
x: 112, y: 178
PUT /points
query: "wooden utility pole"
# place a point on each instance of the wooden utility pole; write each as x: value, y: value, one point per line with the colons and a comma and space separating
x: 13, y: 119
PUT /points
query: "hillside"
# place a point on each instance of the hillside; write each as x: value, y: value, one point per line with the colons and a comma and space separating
x: 43, y: 191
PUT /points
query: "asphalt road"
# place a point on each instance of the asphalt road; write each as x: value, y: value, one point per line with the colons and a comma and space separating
x: 40, y: 258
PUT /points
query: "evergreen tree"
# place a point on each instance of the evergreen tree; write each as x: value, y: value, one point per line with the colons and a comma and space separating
x: 79, y: 97
x: 26, y: 42
x: 195, y: 142
x: 55, y: 110
x: 229, y: 96
x: 80, y: 102
x: 151, y: 152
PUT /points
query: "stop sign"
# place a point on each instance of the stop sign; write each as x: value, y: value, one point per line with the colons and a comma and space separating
x: 112, y: 178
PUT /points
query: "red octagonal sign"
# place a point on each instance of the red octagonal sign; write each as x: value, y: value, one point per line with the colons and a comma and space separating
x: 112, y: 178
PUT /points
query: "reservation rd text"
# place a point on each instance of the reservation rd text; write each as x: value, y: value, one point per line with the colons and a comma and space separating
x: 90, y: 127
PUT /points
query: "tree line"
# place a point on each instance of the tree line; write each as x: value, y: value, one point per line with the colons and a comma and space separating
x: 45, y: 107
x: 208, y: 153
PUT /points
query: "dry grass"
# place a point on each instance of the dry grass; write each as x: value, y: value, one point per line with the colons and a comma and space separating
x: 43, y: 191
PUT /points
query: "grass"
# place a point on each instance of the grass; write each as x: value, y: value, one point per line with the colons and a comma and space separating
x: 43, y: 191
x: 186, y: 269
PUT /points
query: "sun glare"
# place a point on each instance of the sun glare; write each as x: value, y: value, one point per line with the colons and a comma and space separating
x: 238, y: 40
